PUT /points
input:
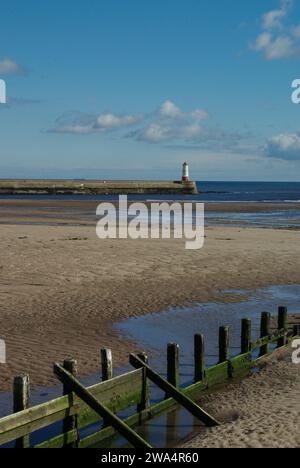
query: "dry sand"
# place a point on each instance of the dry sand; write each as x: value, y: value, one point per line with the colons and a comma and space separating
x: 264, y: 410
x: 62, y: 289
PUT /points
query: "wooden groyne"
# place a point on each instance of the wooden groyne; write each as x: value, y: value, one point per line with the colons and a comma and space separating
x: 80, y: 407
x: 95, y: 187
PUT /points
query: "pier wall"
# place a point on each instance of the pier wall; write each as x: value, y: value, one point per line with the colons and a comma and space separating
x: 94, y: 187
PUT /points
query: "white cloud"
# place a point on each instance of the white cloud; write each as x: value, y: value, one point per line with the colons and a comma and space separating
x: 167, y: 124
x: 281, y: 47
x: 276, y: 48
x: 284, y: 146
x: 172, y: 123
x: 192, y: 132
x: 169, y: 109
x: 9, y: 67
x: 111, y: 121
x: 158, y: 133
x: 273, y: 19
x: 277, y: 40
x: 200, y: 114
x: 84, y: 124
x: 263, y: 41
x: 154, y: 133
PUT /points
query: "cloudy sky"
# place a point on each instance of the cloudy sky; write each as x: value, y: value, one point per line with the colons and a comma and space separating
x: 132, y: 88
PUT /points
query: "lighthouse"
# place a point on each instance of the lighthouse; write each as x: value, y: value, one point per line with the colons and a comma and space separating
x: 185, y: 173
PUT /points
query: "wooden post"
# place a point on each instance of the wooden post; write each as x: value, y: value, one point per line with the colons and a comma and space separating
x: 145, y: 393
x: 199, y: 356
x: 246, y: 336
x: 173, y: 364
x: 265, y: 330
x: 71, y: 422
x: 107, y: 370
x: 282, y: 324
x: 75, y: 386
x: 21, y: 396
x: 178, y: 396
x: 107, y: 365
x: 223, y: 344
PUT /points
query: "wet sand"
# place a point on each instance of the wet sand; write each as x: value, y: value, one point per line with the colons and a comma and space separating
x: 263, y: 411
x: 82, y: 211
x: 62, y: 289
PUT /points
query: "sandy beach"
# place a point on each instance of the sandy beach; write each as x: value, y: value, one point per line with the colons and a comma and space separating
x: 262, y: 411
x: 62, y: 289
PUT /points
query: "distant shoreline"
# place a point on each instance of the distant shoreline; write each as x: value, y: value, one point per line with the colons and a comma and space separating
x: 94, y: 187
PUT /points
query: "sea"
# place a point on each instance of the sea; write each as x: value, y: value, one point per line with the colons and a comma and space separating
x: 283, y: 199
x: 275, y: 192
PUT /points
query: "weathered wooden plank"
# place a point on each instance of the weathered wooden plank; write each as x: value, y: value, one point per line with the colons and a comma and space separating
x: 60, y: 441
x: 36, y: 424
x: 145, y: 397
x: 85, y: 395
x: 173, y: 365
x: 240, y: 365
x: 199, y: 358
x: 123, y: 391
x: 246, y: 336
x: 106, y: 364
x: 21, y: 396
x: 179, y: 396
x: 217, y: 374
x: 265, y: 330
x: 282, y: 324
x: 223, y: 344
x: 268, y: 339
x: 71, y: 422
x: 118, y: 394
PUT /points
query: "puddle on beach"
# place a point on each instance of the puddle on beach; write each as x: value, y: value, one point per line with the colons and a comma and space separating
x: 153, y: 332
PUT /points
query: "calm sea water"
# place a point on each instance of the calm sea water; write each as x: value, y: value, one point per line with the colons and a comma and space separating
x: 250, y: 191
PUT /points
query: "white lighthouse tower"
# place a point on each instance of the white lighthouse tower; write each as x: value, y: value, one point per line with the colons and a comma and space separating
x: 185, y: 173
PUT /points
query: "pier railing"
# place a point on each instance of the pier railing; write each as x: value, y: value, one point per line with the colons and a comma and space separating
x: 80, y: 407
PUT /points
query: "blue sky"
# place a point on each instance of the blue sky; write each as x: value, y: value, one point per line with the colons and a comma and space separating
x: 132, y: 88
